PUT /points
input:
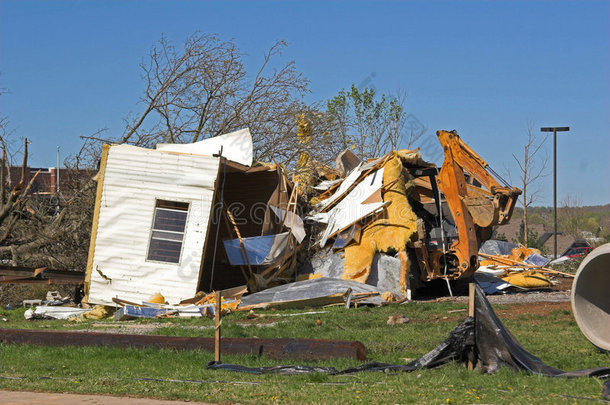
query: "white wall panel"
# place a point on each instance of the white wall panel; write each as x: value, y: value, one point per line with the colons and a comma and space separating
x: 134, y: 178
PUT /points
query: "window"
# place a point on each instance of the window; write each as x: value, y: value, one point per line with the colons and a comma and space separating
x: 167, y: 232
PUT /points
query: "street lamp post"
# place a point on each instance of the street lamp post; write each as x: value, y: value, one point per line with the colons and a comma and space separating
x: 554, y: 130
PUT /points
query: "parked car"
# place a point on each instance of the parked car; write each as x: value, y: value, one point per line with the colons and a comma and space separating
x: 577, y: 252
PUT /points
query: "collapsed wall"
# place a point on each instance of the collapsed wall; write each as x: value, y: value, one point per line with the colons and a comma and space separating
x: 370, y: 222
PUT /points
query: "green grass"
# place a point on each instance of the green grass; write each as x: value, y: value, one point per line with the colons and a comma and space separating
x: 555, y: 338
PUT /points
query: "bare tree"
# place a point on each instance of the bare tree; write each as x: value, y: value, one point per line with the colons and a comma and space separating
x: 203, y: 90
x: 44, y: 229
x: 532, y: 166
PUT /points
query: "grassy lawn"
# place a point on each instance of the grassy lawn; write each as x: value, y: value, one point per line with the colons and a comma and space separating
x: 553, y: 336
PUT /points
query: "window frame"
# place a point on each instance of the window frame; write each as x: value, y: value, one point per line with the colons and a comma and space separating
x: 152, y: 229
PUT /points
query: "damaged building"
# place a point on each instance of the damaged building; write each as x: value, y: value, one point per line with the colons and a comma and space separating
x: 398, y: 219
x: 184, y: 218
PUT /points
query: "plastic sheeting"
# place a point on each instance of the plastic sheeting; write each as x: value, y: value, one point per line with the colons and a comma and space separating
x: 261, y: 250
x: 298, y: 227
x: 497, y: 247
x: 450, y: 349
x: 484, y: 339
x: 496, y: 346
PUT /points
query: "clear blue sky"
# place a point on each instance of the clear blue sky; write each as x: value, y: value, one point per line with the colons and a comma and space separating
x: 483, y: 68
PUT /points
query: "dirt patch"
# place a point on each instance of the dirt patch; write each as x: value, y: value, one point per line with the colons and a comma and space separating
x: 53, y: 398
x: 14, y: 294
x: 535, y: 304
x: 539, y: 309
x: 563, y: 284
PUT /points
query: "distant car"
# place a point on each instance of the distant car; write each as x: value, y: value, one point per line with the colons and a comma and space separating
x: 572, y: 253
x: 577, y: 252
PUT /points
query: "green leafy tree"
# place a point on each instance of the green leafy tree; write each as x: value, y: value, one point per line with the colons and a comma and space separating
x: 365, y: 122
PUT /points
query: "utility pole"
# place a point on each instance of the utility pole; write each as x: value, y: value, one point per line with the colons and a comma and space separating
x: 57, y: 173
x: 554, y: 130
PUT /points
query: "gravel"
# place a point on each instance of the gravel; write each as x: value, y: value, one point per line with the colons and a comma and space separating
x: 517, y: 298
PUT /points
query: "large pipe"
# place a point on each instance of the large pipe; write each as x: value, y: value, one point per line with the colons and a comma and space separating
x: 591, y: 297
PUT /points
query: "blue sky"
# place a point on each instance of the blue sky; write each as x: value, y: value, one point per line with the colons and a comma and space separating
x: 483, y: 68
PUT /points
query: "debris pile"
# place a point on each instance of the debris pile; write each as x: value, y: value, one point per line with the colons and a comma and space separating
x: 205, y: 217
x: 431, y: 220
x: 505, y: 264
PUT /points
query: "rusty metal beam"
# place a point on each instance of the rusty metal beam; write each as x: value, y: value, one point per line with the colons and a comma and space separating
x: 310, y: 349
x: 42, y: 275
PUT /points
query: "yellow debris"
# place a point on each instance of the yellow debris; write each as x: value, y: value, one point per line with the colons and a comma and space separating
x: 519, y: 254
x: 389, y: 296
x: 303, y: 160
x: 304, y: 129
x: 98, y: 312
x: 226, y: 307
x: 314, y: 201
x: 528, y: 279
x: 392, y: 232
x: 157, y: 299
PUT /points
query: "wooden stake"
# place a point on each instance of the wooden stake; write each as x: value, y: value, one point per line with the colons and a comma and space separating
x: 217, y: 318
x: 471, y: 314
x: 241, y: 241
x: 226, y: 221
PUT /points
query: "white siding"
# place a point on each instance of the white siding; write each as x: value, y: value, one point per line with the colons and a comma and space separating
x: 134, y: 179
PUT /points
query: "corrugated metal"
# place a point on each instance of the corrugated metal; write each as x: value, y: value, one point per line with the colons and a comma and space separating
x: 134, y: 178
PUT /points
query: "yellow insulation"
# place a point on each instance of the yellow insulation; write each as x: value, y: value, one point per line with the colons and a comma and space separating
x: 392, y: 232
x: 528, y: 279
x: 521, y: 252
x: 389, y: 296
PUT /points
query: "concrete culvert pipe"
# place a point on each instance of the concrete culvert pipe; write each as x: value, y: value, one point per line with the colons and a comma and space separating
x: 591, y: 297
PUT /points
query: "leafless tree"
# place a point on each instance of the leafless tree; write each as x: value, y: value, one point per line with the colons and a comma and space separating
x: 532, y: 166
x: 44, y: 229
x: 203, y: 90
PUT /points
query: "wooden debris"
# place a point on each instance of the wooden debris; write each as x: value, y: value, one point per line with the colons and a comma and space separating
x: 511, y: 262
x: 398, y: 319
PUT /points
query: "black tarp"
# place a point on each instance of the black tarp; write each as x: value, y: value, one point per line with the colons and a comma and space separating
x: 483, y: 338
